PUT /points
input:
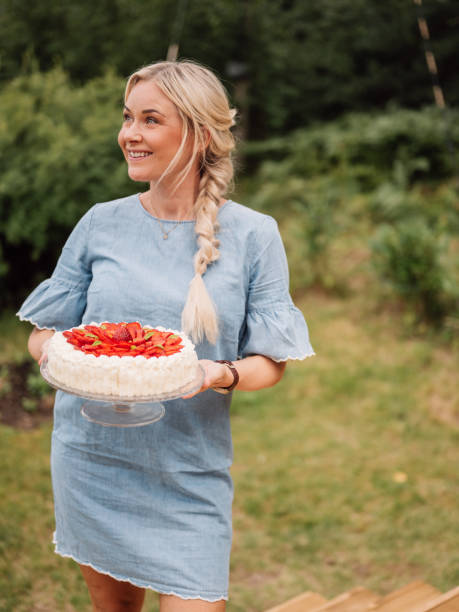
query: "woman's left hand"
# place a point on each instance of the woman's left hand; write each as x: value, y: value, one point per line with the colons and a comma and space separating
x: 215, y: 375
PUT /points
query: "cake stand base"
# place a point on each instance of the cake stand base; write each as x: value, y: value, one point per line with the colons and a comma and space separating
x: 122, y: 414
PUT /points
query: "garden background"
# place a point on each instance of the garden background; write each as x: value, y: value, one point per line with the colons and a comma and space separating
x: 346, y: 472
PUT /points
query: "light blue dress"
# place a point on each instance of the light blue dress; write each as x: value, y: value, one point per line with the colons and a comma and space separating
x: 152, y: 505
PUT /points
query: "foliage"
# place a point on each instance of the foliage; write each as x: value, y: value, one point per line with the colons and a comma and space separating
x: 5, y: 383
x: 29, y: 404
x: 323, y: 180
x: 59, y: 153
x: 413, y: 258
x: 369, y: 146
x: 59, y: 156
x: 307, y: 210
x: 361, y: 175
x: 303, y: 61
x: 36, y: 384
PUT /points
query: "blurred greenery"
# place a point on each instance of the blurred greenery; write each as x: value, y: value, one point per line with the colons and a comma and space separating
x: 303, y: 60
x: 383, y: 182
x: 59, y: 155
x: 321, y: 183
x: 413, y: 257
x: 338, y: 78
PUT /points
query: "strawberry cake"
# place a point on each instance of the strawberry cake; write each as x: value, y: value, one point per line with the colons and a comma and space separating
x: 122, y: 359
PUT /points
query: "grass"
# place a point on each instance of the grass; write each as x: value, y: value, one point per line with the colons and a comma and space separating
x: 345, y: 473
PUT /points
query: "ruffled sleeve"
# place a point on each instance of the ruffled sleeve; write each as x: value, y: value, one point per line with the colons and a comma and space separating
x: 59, y: 302
x: 274, y: 326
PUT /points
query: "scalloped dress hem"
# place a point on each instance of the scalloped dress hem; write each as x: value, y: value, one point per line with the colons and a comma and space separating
x: 158, y: 588
x: 289, y: 358
x: 21, y: 318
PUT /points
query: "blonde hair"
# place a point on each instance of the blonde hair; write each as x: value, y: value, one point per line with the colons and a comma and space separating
x: 202, y: 104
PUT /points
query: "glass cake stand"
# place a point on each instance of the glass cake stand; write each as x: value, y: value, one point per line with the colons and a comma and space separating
x: 118, y: 411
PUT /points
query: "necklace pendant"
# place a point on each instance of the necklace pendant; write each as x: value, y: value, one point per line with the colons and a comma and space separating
x: 165, y: 236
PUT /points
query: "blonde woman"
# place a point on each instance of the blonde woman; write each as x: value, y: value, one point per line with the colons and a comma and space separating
x: 150, y: 507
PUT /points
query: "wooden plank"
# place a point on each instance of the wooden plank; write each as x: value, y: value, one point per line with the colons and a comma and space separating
x: 448, y: 602
x: 306, y: 602
x: 355, y: 600
x: 407, y: 597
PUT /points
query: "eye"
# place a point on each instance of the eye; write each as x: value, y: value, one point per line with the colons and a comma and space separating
x: 126, y: 116
x: 151, y: 120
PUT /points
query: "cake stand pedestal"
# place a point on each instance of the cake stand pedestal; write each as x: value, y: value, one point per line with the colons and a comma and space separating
x: 117, y: 411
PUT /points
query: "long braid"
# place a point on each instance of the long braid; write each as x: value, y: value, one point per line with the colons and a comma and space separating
x: 199, y: 317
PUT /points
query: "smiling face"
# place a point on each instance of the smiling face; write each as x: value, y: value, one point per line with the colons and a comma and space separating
x: 151, y: 134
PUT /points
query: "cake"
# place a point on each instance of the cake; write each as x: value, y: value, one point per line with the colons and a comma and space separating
x: 122, y: 359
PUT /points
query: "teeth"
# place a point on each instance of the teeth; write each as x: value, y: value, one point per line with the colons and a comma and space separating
x: 138, y: 154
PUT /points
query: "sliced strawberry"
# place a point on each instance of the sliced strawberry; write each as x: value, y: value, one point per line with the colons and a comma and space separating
x: 135, y: 329
x: 138, y: 341
x: 79, y: 333
x: 122, y: 335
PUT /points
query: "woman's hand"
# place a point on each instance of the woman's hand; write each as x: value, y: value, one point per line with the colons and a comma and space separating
x: 38, y: 342
x: 215, y: 375
x: 44, y: 351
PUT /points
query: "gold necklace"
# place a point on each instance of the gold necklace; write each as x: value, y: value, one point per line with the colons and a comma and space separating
x: 165, y: 234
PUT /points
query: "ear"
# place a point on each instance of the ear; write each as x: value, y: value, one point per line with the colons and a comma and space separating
x: 206, y: 137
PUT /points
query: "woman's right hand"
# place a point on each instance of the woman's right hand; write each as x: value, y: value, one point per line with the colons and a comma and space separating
x: 38, y: 342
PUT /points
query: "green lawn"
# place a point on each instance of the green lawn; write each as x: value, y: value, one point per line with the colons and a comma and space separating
x: 345, y: 473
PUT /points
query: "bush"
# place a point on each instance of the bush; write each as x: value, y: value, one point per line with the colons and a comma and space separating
x: 358, y: 172
x: 59, y: 155
x: 415, y: 260
x: 306, y: 210
x: 370, y: 147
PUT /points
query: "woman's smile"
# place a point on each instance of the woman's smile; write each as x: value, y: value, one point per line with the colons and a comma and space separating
x: 136, y: 156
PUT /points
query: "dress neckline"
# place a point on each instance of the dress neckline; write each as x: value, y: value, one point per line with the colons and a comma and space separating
x: 146, y: 212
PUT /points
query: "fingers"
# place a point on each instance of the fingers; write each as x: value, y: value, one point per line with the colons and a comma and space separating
x: 43, y: 351
x: 212, y: 373
x: 206, y: 383
x: 204, y: 387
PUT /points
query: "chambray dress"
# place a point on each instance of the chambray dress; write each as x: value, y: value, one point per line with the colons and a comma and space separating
x: 152, y: 505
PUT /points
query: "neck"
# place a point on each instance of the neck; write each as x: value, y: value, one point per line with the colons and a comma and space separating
x: 166, y: 202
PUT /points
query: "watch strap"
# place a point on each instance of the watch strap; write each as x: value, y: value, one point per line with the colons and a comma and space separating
x: 234, y: 372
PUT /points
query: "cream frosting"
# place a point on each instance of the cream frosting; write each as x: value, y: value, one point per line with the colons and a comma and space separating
x: 126, y: 376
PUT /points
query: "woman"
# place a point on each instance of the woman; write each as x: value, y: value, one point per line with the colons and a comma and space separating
x: 150, y: 507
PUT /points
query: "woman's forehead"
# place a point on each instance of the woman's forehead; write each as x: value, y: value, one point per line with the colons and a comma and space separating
x: 146, y: 95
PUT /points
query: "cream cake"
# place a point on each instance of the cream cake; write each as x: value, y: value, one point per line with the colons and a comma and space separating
x: 122, y: 359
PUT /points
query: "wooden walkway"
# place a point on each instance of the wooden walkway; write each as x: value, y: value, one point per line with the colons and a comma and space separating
x: 415, y: 597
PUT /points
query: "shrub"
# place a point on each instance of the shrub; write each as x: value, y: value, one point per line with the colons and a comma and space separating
x: 59, y: 155
x: 360, y: 171
x: 412, y: 257
x: 370, y: 146
x: 306, y: 210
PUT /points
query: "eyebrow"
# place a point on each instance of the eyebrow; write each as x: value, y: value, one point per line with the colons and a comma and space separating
x: 146, y: 111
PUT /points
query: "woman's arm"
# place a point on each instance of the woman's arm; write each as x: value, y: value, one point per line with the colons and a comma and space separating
x: 255, y: 372
x: 36, y: 340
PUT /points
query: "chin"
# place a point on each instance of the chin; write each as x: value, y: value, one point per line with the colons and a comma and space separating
x: 138, y: 176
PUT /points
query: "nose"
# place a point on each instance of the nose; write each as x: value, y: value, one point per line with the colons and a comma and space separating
x: 132, y: 132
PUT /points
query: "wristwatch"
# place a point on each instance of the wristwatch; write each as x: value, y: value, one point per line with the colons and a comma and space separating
x: 235, y: 373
